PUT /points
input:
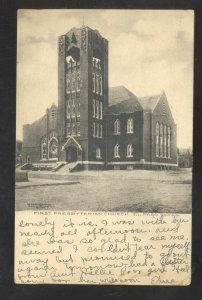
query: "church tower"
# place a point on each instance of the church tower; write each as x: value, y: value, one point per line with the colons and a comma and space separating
x: 82, y: 96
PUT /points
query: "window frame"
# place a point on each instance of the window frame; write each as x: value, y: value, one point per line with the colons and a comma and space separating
x: 98, y: 153
x: 117, y: 127
x: 130, y: 127
x: 157, y: 139
x: 129, y: 150
x: 117, y: 151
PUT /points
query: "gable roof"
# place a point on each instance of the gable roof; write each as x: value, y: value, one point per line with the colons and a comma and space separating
x: 149, y: 103
x: 71, y: 142
x: 122, y: 100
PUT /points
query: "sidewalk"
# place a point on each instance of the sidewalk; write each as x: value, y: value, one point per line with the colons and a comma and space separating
x: 34, y: 182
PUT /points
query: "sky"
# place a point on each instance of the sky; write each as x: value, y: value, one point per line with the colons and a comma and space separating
x: 149, y: 51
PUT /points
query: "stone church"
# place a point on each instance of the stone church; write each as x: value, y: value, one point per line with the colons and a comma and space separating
x: 94, y: 126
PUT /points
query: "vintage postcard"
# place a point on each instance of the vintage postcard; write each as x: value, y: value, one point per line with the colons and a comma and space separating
x: 104, y: 147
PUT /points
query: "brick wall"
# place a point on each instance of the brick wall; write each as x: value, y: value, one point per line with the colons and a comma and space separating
x: 162, y: 114
x: 124, y: 138
x: 147, y: 139
x: 32, y: 134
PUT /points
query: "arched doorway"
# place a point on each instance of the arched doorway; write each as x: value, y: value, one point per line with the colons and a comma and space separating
x: 71, y: 154
x: 72, y: 150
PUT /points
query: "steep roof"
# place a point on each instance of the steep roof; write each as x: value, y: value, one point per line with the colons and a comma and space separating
x: 122, y: 100
x: 149, y: 103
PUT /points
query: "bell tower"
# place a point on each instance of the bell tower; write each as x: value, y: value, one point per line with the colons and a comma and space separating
x: 82, y: 94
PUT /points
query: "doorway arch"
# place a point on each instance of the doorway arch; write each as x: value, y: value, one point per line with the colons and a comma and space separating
x: 71, y: 154
x: 72, y: 150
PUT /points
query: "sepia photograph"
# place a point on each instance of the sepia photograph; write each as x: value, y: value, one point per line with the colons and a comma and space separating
x: 104, y: 123
x: 104, y: 110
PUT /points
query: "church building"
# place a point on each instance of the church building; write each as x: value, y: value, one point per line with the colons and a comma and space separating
x: 97, y: 127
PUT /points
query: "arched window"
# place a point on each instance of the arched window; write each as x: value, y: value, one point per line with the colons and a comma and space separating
x: 53, y: 148
x: 117, y: 127
x: 43, y: 148
x: 161, y: 140
x: 168, y: 142
x: 165, y: 141
x: 157, y: 139
x: 98, y: 152
x: 117, y: 151
x: 130, y: 150
x: 130, y: 125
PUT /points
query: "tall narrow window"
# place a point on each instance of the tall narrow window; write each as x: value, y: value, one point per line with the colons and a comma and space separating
x: 94, y: 108
x: 97, y: 83
x: 100, y: 130
x: 97, y: 109
x: 73, y: 107
x: 94, y: 128
x: 53, y: 113
x: 78, y: 128
x: 101, y: 85
x: 78, y: 108
x: 43, y: 148
x: 117, y: 151
x: 117, y: 127
x: 78, y: 82
x: 157, y: 139
x: 130, y: 150
x: 165, y: 141
x: 130, y: 125
x: 53, y: 148
x: 94, y: 82
x: 169, y: 142
x: 161, y: 140
x: 73, y: 129
x: 68, y: 133
x: 68, y: 109
x: 98, y: 152
x: 100, y: 110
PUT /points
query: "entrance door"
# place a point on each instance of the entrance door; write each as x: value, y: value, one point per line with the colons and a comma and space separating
x: 71, y: 154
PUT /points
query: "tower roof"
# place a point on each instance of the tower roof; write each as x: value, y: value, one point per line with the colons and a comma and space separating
x: 83, y: 27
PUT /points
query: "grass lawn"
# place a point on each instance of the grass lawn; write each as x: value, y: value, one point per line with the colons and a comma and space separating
x: 132, y: 191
